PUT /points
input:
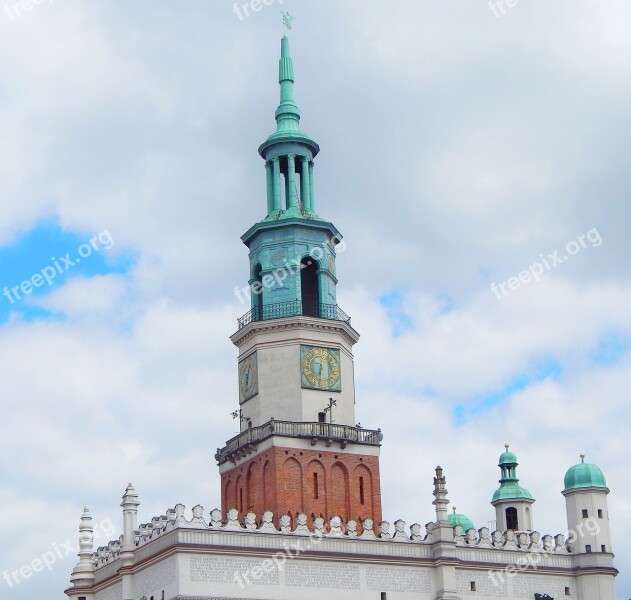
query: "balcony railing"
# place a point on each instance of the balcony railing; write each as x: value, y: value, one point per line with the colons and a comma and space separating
x: 330, y: 432
x: 293, y: 308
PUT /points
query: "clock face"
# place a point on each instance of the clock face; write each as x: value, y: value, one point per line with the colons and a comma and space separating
x: 248, y: 378
x: 320, y: 368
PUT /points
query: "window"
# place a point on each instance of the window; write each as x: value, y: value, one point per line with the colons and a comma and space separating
x: 384, y: 596
x: 361, y: 490
x: 603, y: 548
x: 241, y: 499
x: 567, y: 591
x: 585, y: 513
x: 257, y: 295
x: 600, y: 513
x: 473, y: 586
x: 588, y: 549
x: 309, y: 288
x: 321, y: 417
x: 511, y: 518
x: 315, y: 486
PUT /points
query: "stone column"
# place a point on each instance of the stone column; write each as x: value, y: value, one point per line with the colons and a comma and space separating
x: 444, y: 545
x: 130, y: 513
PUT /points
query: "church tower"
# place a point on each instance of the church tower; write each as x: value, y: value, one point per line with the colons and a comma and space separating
x: 299, y: 449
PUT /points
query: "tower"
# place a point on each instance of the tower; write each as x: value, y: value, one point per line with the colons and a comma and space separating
x: 513, y: 503
x: 585, y: 492
x: 299, y: 450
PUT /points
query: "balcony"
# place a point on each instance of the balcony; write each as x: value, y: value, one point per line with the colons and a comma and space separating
x: 293, y: 308
x: 244, y: 443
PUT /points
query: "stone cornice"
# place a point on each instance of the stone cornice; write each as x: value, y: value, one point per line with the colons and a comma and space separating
x: 292, y: 324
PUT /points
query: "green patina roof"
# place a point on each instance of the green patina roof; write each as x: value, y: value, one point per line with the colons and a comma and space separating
x: 507, y: 458
x: 584, y: 475
x: 457, y: 519
x: 511, y: 491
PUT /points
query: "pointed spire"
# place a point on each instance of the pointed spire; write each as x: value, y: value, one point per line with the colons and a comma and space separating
x: 287, y: 113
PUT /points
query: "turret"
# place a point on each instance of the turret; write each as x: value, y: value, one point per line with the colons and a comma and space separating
x: 585, y: 494
x: 589, y: 539
x: 513, y: 503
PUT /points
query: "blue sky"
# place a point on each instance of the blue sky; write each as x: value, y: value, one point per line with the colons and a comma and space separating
x: 48, y: 247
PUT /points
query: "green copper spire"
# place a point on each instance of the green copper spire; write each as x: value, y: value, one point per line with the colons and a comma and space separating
x: 287, y: 113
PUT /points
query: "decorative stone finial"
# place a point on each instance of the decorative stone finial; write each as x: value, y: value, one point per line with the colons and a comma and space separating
x: 83, y: 573
x: 507, y: 446
x: 129, y: 505
x: 440, y: 495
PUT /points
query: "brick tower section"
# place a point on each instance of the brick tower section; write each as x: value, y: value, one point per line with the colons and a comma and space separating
x: 317, y: 483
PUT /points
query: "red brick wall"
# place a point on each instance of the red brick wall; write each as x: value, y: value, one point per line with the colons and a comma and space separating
x: 284, y: 481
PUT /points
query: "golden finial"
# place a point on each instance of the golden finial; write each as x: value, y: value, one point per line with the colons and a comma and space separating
x: 507, y: 446
x: 582, y: 458
x: 454, y: 509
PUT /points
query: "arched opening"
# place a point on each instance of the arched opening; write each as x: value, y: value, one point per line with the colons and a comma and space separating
x: 511, y: 518
x: 309, y: 288
x: 257, y: 294
x: 338, y: 505
x: 253, y: 489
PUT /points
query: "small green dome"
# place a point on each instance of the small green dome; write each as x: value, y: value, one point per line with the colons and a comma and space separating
x: 507, y: 458
x: 584, y: 475
x: 457, y: 519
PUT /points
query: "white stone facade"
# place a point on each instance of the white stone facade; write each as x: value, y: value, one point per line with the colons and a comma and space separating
x: 191, y: 555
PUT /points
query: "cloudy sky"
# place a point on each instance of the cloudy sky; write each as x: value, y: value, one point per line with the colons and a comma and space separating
x: 462, y: 145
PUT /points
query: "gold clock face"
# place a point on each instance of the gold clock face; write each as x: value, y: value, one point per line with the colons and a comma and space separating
x: 248, y: 378
x: 320, y: 368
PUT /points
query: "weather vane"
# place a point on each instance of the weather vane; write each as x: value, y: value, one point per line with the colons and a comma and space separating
x: 288, y: 19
